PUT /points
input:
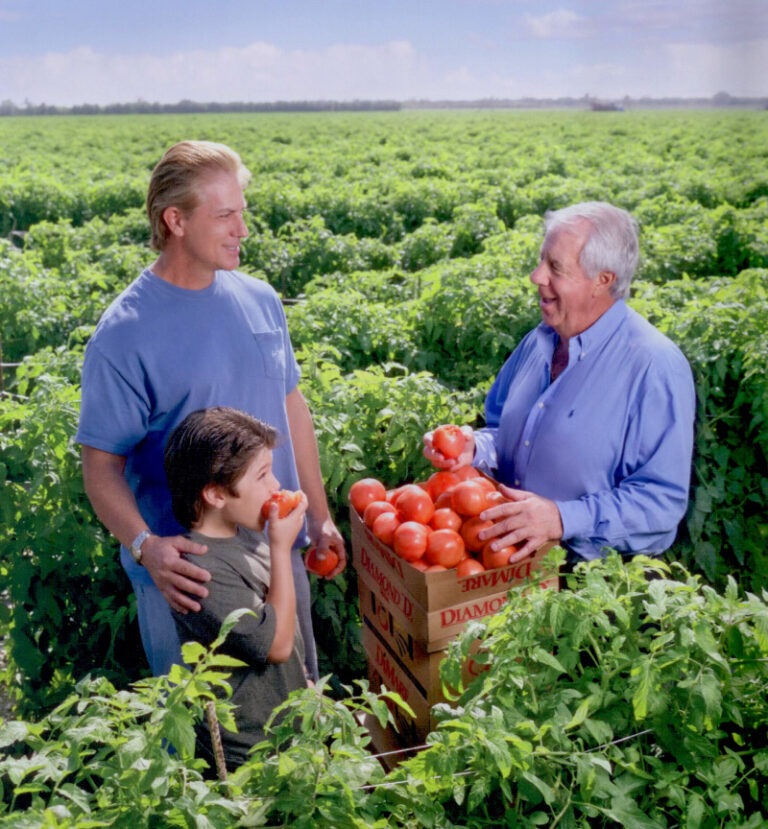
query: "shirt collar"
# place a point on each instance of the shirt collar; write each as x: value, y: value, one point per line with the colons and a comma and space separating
x: 597, y: 333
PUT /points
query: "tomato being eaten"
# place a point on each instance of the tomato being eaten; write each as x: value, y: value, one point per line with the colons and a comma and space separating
x: 286, y: 501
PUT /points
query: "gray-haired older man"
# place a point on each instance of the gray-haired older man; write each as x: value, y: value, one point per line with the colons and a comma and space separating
x: 590, y: 421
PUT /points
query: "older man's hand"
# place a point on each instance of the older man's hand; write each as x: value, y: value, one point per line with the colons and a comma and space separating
x: 526, y: 517
x: 438, y: 459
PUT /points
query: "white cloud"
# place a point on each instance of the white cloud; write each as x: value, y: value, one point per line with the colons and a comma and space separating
x: 559, y: 23
x: 258, y: 72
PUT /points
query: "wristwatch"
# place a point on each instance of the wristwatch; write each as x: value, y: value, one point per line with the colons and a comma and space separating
x: 135, y: 548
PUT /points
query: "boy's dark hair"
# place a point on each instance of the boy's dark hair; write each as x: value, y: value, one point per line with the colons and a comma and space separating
x: 211, y: 446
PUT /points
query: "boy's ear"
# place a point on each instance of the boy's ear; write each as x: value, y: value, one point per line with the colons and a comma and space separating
x: 213, y: 496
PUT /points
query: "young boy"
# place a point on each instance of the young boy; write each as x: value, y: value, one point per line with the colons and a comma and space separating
x: 218, y: 463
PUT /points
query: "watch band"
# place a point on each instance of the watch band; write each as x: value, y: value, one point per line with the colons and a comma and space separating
x: 135, y: 548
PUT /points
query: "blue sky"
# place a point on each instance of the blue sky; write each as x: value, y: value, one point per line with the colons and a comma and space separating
x: 68, y: 52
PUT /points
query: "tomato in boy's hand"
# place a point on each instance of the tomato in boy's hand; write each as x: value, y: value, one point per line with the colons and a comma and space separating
x: 320, y: 566
x: 286, y: 501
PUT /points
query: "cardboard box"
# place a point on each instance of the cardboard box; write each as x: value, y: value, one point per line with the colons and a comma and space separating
x: 419, y: 664
x: 434, y: 607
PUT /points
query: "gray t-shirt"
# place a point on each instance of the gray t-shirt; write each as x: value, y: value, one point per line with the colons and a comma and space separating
x: 240, y: 568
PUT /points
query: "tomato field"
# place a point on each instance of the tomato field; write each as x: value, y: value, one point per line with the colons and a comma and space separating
x: 402, y: 244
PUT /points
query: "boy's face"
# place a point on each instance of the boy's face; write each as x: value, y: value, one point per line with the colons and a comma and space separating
x: 253, y: 489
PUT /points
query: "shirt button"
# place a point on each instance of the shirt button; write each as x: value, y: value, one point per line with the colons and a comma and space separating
x: 527, y: 443
x: 541, y: 405
x: 517, y: 482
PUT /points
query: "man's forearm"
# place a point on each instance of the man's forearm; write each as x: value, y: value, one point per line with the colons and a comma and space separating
x: 307, y: 458
x: 109, y: 494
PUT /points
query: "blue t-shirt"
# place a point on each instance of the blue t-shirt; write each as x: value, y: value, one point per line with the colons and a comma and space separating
x: 160, y: 352
x: 610, y: 441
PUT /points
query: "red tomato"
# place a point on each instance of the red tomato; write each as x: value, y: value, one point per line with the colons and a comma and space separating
x: 364, y: 491
x: 420, y: 564
x: 435, y: 568
x: 374, y: 510
x: 445, y: 547
x: 410, y: 540
x: 488, y: 485
x: 385, y: 525
x: 493, y: 559
x: 470, y: 530
x: 320, y: 567
x: 494, y: 498
x: 285, y: 500
x: 467, y: 472
x: 449, y: 440
x: 414, y: 504
x: 468, y: 567
x: 468, y: 498
x: 440, y: 482
x: 443, y: 500
x: 445, y: 519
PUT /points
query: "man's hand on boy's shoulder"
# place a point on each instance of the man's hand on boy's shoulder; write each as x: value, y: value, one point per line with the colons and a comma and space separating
x: 174, y: 576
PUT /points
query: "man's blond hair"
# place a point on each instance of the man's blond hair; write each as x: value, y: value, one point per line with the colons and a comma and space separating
x: 177, y: 176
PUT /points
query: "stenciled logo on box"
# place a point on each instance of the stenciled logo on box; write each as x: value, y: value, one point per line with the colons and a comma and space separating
x: 458, y: 615
x: 491, y: 578
x: 389, y: 592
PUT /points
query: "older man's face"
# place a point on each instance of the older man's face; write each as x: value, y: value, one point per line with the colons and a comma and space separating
x: 569, y: 300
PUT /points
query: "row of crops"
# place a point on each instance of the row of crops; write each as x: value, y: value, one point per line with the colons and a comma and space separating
x: 402, y: 243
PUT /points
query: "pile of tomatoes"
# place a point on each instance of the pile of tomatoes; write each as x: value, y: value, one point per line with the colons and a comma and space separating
x: 434, y: 525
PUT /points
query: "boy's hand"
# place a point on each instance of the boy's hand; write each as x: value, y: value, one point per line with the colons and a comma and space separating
x: 282, y: 532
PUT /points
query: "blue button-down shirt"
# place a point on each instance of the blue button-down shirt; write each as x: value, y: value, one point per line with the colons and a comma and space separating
x: 609, y: 441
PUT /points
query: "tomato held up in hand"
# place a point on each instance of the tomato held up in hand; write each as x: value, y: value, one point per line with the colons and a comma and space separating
x: 449, y: 440
x: 286, y: 502
x: 320, y: 566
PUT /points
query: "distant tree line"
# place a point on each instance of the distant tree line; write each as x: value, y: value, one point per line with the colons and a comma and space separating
x: 721, y: 100
x: 146, y: 107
